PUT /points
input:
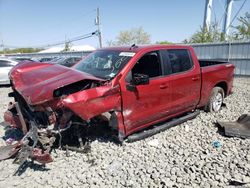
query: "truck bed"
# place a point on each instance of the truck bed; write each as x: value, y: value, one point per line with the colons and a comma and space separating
x: 213, y: 73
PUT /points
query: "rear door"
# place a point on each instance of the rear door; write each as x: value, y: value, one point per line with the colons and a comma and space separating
x: 185, y: 80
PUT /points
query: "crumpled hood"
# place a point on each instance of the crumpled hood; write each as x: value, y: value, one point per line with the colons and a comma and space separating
x: 37, y: 81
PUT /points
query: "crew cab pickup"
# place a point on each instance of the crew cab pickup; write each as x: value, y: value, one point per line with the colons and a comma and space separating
x: 130, y: 88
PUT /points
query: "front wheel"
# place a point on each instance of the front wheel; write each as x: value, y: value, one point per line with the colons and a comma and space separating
x: 216, y: 100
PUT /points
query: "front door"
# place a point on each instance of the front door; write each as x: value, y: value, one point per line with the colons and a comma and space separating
x: 146, y: 103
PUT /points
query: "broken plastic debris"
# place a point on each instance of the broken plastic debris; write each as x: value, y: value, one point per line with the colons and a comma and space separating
x: 237, y: 182
x: 9, y: 141
x: 239, y: 128
x: 9, y: 151
x: 217, y: 144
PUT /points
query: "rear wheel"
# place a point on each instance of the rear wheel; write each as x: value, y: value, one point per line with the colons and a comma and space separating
x: 216, y: 100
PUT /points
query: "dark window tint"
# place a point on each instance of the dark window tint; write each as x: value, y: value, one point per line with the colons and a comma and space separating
x: 69, y: 60
x: 179, y: 60
x: 4, y: 63
x: 148, y: 64
x: 77, y: 59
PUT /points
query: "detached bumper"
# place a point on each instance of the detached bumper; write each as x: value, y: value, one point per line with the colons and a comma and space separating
x: 14, y: 118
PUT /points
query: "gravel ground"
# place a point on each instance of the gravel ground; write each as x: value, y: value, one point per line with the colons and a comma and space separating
x: 182, y: 156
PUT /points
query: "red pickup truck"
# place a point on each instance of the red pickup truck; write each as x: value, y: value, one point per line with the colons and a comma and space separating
x: 130, y: 88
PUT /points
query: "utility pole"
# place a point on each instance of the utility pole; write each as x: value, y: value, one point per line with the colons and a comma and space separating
x: 227, y: 17
x: 207, y: 15
x: 97, y: 23
x: 2, y: 46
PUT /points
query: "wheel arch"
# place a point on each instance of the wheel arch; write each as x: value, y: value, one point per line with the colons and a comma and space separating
x: 224, y: 86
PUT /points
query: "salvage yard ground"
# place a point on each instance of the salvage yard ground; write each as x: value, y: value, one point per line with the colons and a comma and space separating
x: 183, y: 156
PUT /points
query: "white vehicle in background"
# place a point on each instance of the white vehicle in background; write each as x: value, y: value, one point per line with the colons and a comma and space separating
x: 5, y: 67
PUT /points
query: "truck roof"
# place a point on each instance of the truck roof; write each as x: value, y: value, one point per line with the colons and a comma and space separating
x: 147, y: 47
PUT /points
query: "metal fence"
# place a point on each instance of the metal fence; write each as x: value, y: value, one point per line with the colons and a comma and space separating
x: 237, y: 52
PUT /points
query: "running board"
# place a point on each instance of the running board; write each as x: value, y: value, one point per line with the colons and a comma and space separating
x: 160, y: 128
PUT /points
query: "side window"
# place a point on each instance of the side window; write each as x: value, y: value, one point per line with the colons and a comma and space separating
x: 148, y: 64
x: 4, y: 63
x: 77, y: 59
x: 70, y: 60
x: 180, y: 60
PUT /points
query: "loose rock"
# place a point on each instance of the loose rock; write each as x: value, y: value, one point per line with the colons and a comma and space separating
x: 182, y: 156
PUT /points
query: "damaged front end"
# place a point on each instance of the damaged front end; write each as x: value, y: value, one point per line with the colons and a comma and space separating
x: 56, y: 111
x: 40, y: 128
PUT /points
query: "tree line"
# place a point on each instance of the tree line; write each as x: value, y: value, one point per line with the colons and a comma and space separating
x: 20, y: 50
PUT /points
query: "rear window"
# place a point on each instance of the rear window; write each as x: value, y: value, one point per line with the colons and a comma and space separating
x: 180, y: 60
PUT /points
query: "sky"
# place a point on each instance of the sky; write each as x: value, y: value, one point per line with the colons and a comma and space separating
x: 25, y: 23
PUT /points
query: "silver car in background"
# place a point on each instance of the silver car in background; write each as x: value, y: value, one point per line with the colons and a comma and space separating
x: 5, y: 67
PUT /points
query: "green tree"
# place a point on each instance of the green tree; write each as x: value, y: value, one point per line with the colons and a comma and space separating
x: 204, y: 35
x: 132, y: 36
x: 164, y: 42
x: 20, y: 50
x: 243, y: 29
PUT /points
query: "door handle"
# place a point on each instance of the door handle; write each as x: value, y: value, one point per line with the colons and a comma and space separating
x: 195, y: 78
x: 163, y: 86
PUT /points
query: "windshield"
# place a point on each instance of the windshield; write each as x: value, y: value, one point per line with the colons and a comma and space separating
x: 105, y: 64
x: 60, y: 61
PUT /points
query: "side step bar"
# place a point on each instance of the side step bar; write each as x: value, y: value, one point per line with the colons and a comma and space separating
x: 160, y: 128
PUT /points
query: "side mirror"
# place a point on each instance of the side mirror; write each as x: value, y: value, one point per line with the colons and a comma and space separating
x: 140, y: 79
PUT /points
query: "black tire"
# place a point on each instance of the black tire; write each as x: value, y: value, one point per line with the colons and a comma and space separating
x: 216, y: 100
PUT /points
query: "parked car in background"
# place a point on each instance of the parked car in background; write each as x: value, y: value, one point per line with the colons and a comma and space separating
x: 66, y: 61
x: 19, y: 59
x: 46, y: 59
x: 6, y: 65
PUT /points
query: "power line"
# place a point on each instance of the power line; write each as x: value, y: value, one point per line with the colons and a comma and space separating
x: 81, y: 37
x: 237, y: 13
x: 61, y: 42
x: 224, y: 11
